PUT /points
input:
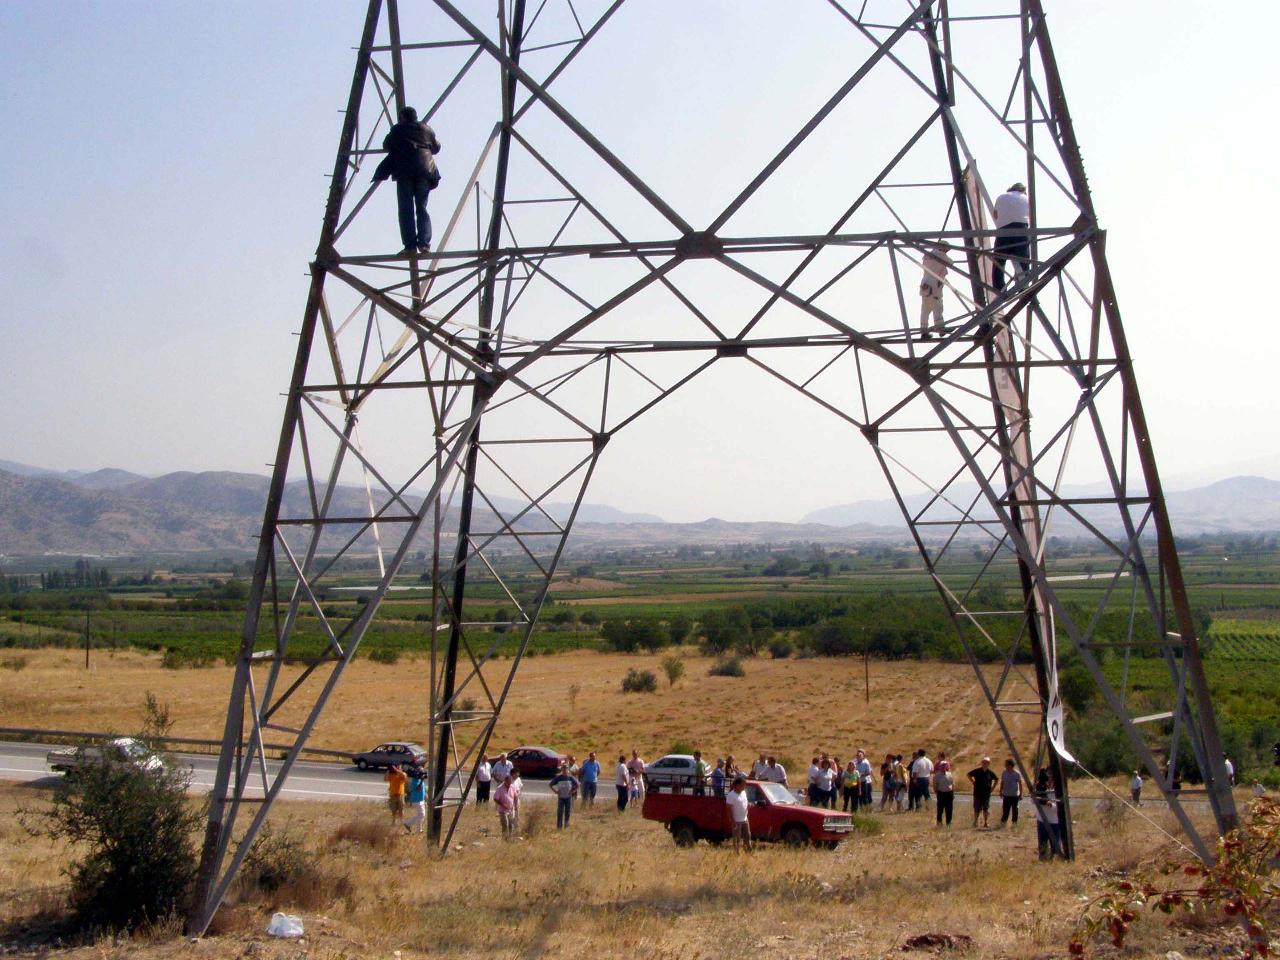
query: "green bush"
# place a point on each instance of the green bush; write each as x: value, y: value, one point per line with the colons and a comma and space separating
x: 137, y: 828
x: 673, y: 666
x: 639, y: 681
x: 727, y: 667
x: 780, y: 648
x: 384, y: 655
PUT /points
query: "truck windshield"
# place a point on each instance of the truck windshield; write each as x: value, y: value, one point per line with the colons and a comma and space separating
x: 777, y: 793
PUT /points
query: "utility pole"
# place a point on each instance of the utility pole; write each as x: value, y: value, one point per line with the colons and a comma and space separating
x: 86, y: 639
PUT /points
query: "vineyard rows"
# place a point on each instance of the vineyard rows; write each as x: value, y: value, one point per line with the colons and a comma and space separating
x: 1257, y: 640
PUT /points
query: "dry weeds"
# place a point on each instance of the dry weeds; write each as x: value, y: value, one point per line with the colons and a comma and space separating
x: 788, y: 707
x: 615, y: 885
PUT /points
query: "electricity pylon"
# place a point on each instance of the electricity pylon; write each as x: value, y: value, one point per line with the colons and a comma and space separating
x: 504, y: 365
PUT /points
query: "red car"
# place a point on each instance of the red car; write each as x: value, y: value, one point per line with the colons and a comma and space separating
x: 773, y: 813
x: 534, y: 761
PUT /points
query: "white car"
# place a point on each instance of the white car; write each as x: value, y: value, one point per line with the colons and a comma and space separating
x: 671, y: 770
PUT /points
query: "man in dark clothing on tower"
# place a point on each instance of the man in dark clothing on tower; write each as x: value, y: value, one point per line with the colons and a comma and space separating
x: 410, y: 161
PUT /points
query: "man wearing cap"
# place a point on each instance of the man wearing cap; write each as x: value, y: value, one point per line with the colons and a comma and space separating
x: 984, y: 780
x: 1013, y: 221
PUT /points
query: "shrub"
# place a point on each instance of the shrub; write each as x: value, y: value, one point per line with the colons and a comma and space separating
x: 13, y: 663
x: 673, y: 666
x: 727, y: 667
x: 681, y: 746
x: 384, y: 655
x: 375, y: 834
x: 639, y: 681
x: 589, y: 618
x: 279, y: 867
x: 137, y: 827
x: 780, y: 648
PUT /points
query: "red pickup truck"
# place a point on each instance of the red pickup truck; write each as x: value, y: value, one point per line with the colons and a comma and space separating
x: 773, y: 812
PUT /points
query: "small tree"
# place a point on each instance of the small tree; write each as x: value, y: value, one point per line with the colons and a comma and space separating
x: 679, y: 627
x: 137, y: 827
x: 157, y: 722
x: 673, y: 666
x: 639, y: 681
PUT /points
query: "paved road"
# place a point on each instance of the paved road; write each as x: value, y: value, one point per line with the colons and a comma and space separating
x: 307, y: 780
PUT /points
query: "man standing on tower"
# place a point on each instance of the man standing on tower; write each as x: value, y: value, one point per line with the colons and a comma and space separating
x: 1013, y: 240
x: 410, y: 161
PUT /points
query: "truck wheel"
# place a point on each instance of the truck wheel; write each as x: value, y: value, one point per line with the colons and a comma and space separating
x: 362, y: 764
x: 683, y: 833
x: 794, y: 835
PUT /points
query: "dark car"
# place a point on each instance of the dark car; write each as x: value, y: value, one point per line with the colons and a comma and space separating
x: 533, y: 761
x: 384, y: 755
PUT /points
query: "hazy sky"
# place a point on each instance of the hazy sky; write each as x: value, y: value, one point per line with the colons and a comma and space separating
x: 164, y: 179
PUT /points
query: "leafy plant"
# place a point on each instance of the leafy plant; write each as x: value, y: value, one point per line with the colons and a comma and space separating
x: 1242, y: 883
x: 673, y: 667
x: 639, y: 681
x: 727, y: 667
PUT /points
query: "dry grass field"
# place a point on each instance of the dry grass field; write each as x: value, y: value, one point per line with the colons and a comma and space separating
x: 615, y: 886
x: 571, y: 701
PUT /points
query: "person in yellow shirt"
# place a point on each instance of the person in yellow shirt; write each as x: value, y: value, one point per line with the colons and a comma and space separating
x: 396, y: 782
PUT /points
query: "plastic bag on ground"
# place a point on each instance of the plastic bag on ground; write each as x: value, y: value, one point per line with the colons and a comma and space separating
x: 284, y: 925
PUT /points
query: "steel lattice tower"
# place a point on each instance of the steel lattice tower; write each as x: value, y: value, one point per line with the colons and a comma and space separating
x: 509, y: 361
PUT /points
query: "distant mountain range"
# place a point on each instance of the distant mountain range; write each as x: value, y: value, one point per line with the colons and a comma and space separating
x: 114, y: 511
x: 1233, y: 505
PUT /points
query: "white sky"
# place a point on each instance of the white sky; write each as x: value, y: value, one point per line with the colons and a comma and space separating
x: 164, y: 183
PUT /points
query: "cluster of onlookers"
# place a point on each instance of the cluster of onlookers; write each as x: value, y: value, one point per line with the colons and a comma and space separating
x: 907, y: 784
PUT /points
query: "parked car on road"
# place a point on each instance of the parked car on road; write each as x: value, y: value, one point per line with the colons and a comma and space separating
x: 533, y: 761
x: 384, y: 755
x: 126, y: 749
x: 675, y: 769
x: 773, y: 813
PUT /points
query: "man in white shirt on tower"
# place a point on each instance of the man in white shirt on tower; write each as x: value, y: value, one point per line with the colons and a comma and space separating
x: 1013, y: 242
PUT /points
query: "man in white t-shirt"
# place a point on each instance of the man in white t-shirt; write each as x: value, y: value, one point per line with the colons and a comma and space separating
x: 1135, y: 788
x: 622, y: 781
x: 502, y: 768
x: 1013, y: 241
x: 774, y: 772
x: 921, y: 771
x: 484, y: 779
x: 1231, y: 770
x: 759, y: 767
x: 736, y: 799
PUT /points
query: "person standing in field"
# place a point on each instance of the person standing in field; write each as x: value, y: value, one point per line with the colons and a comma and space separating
x: 396, y: 783
x: 590, y: 779
x: 984, y: 780
x: 944, y: 786
x: 774, y: 772
x: 737, y: 801
x: 849, y: 788
x: 505, y: 803
x: 416, y: 796
x: 932, y: 285
x: 888, y: 789
x: 1231, y: 770
x: 921, y: 772
x: 1013, y: 234
x: 1048, y: 830
x: 827, y: 780
x: 484, y: 779
x: 565, y: 786
x: 814, y: 770
x: 517, y: 790
x: 1135, y: 788
x: 502, y: 768
x: 637, y: 767
x: 865, y: 783
x: 900, y: 775
x: 759, y: 767
x: 411, y: 148
x: 1010, y: 793
x: 622, y: 780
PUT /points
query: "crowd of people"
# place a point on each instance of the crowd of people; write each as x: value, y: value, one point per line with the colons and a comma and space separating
x: 907, y: 784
